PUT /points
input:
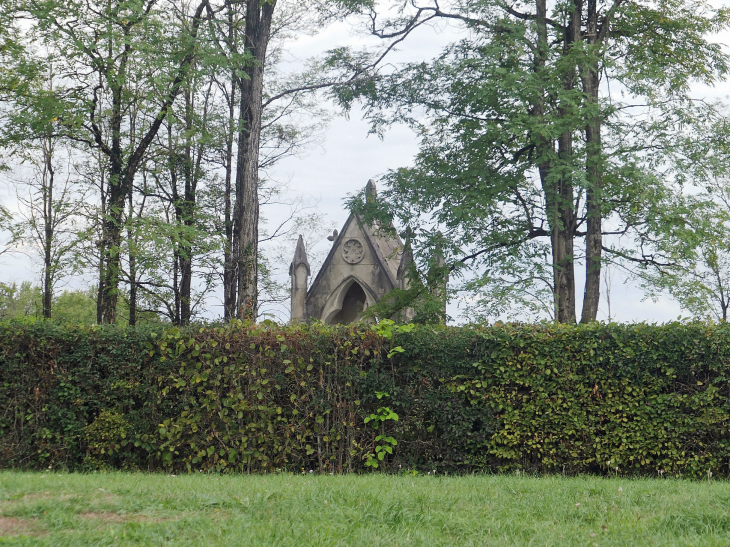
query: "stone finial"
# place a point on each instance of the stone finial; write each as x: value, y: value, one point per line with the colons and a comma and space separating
x: 441, y: 262
x: 406, y: 260
x: 300, y: 257
x: 371, y: 193
x: 334, y: 235
x: 299, y: 277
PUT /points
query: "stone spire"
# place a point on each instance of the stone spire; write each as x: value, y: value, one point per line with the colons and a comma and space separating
x: 371, y: 193
x: 299, y: 272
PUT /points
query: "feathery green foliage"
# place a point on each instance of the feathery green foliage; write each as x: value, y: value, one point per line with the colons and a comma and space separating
x: 552, y: 134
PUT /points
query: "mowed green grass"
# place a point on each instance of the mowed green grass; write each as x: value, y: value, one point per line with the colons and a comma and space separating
x: 370, y: 510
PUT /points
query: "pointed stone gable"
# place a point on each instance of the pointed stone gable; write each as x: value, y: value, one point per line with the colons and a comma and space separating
x: 361, y: 268
x: 358, y: 272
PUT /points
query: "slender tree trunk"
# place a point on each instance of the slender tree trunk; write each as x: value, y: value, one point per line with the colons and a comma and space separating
x: 553, y: 184
x: 132, y: 267
x: 564, y: 214
x: 594, y: 237
x: 173, y: 159
x: 594, y: 172
x: 112, y: 242
x: 48, y: 214
x: 563, y: 229
x: 187, y: 211
x: 100, y: 280
x: 229, y: 271
x: 563, y: 267
x: 114, y: 218
x: 246, y: 211
x: 176, y: 288
x: 119, y: 188
x: 185, y: 288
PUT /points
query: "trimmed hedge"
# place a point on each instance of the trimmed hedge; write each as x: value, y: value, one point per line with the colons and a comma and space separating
x: 619, y: 399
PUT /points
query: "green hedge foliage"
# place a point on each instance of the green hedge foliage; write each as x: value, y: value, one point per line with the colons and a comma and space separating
x: 609, y: 399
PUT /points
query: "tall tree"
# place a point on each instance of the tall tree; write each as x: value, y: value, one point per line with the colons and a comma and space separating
x: 692, y: 252
x: 48, y: 201
x: 100, y: 49
x: 514, y: 162
x: 50, y: 208
x: 256, y: 36
x: 247, y: 47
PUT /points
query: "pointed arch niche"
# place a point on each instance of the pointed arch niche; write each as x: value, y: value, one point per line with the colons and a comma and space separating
x: 348, y: 301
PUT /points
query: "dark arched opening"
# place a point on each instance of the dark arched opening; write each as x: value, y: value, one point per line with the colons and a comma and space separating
x: 352, y: 305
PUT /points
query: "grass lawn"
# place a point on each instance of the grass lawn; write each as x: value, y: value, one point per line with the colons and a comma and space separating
x: 371, y: 510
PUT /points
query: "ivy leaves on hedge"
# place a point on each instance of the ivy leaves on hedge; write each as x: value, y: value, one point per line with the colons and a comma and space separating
x: 637, y: 399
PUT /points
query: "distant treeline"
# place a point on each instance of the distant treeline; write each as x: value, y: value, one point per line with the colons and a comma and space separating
x: 76, y: 306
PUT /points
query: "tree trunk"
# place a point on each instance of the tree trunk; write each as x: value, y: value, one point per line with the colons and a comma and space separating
x: 186, y: 269
x: 100, y: 280
x: 229, y: 270
x: 246, y: 210
x: 114, y: 218
x: 187, y: 213
x: 112, y: 242
x: 48, y: 231
x: 562, y: 219
x: 563, y: 266
x: 176, y: 288
x: 132, y: 268
x: 594, y: 237
x: 556, y: 186
x: 564, y: 215
x: 594, y: 173
x: 173, y: 161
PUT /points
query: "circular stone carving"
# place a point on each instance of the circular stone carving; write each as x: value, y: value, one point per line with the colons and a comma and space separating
x: 353, y: 251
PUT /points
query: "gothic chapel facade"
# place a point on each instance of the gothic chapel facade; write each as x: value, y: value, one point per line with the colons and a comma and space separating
x: 362, y: 267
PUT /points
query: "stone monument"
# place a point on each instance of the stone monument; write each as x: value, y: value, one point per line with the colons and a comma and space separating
x: 362, y: 267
